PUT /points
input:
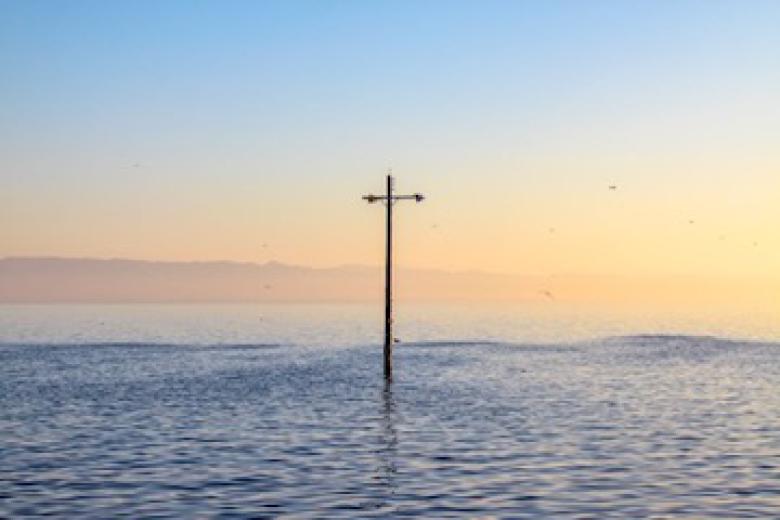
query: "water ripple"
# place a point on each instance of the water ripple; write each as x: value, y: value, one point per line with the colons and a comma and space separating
x: 640, y: 426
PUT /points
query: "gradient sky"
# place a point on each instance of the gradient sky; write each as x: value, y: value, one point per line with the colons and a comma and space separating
x: 249, y: 130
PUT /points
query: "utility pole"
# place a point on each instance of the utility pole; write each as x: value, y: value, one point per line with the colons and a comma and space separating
x: 389, y: 200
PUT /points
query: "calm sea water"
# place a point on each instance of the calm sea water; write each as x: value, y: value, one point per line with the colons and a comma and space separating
x: 269, y: 411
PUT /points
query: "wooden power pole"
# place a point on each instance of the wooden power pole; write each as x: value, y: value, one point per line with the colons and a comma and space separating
x: 389, y: 200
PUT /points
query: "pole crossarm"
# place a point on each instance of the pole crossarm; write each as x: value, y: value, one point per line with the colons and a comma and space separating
x: 417, y: 197
x: 390, y: 198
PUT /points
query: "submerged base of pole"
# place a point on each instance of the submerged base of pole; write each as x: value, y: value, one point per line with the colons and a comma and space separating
x: 389, y: 361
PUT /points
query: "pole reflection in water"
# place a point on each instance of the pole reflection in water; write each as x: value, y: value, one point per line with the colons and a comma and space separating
x: 387, y: 447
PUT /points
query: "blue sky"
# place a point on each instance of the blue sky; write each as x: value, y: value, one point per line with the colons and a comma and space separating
x: 108, y: 106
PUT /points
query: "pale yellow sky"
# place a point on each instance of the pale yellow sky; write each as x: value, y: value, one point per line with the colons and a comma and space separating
x: 549, y: 226
x: 216, y: 141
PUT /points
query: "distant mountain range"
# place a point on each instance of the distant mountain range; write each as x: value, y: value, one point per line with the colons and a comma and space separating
x: 118, y: 280
x: 83, y: 280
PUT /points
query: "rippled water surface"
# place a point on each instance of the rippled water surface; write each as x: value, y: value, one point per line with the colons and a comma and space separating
x: 271, y: 412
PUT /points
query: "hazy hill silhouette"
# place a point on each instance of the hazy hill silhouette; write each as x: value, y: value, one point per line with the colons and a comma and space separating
x: 118, y: 280
x: 84, y: 280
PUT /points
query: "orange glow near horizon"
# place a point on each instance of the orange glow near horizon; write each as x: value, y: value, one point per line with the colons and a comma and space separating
x: 667, y: 226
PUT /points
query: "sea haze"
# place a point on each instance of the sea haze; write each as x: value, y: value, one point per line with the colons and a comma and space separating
x: 271, y: 410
